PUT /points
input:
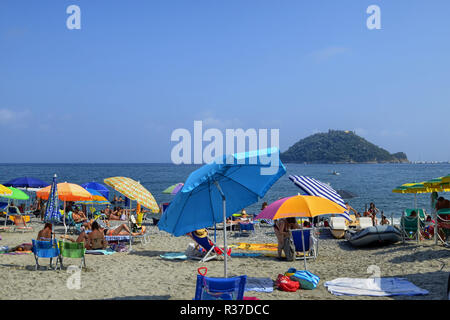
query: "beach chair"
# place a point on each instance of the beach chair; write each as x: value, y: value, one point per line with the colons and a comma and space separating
x: 412, y: 227
x: 72, y: 225
x: 246, y: 229
x: 220, y: 288
x: 20, y: 224
x: 443, y: 226
x: 45, y: 249
x: 212, y: 250
x: 311, y: 243
x: 75, y: 250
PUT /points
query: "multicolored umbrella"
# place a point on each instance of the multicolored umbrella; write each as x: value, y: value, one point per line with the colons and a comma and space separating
x: 66, y: 192
x: 300, y: 206
x: 97, y: 187
x: 173, y: 189
x: 16, y: 194
x: 97, y: 198
x: 134, y: 191
x: 4, y: 190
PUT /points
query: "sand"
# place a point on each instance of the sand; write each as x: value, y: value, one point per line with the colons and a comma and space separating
x: 142, y: 274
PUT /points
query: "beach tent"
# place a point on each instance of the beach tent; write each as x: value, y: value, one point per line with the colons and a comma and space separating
x: 215, y: 191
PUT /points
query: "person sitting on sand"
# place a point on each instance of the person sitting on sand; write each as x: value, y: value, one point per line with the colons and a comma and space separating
x: 281, y: 228
x: 46, y: 233
x: 96, y: 238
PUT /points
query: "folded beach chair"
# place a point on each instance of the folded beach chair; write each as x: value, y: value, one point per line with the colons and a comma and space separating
x: 20, y: 224
x: 412, y: 227
x: 311, y: 243
x: 74, y: 250
x: 212, y: 250
x: 220, y: 288
x: 45, y: 249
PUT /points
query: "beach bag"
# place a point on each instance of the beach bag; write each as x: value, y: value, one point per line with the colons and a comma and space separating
x: 306, y: 279
x: 289, y: 249
x: 285, y: 284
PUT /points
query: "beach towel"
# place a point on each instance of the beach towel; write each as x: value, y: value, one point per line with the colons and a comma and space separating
x: 259, y: 284
x: 100, y: 252
x: 377, y: 287
x: 174, y: 256
x: 257, y: 246
x: 246, y: 254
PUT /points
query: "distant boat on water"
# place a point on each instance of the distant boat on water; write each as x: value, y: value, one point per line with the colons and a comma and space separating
x: 335, y: 173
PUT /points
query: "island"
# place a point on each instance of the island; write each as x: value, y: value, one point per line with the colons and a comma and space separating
x: 339, y: 146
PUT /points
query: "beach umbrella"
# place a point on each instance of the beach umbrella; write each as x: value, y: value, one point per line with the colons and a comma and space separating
x: 97, y: 187
x: 300, y: 206
x: 134, y: 191
x: 52, y: 213
x: 316, y: 188
x: 26, y: 182
x: 97, y: 198
x: 446, y: 179
x: 217, y: 190
x: 4, y: 190
x: 66, y: 192
x: 16, y: 194
x: 173, y: 189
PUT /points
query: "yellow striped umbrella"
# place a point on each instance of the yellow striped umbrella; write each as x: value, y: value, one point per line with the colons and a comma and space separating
x: 134, y: 191
x: 5, y: 191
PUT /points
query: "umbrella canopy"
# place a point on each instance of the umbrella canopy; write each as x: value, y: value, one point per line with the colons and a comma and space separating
x: 134, y: 191
x: 300, y: 206
x: 16, y: 194
x: 97, y: 198
x: 4, y: 190
x: 66, y: 192
x: 26, y: 182
x: 173, y: 189
x: 316, y: 188
x: 218, y: 189
x: 97, y: 187
x: 446, y: 179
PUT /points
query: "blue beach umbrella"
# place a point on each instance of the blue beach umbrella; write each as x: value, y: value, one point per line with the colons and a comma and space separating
x: 52, y: 213
x: 26, y: 182
x: 97, y: 187
x: 219, y: 189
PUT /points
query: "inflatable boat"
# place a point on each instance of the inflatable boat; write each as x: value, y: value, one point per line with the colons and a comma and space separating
x: 375, y: 235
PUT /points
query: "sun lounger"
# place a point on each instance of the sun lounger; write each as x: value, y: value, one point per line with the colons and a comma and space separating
x: 412, y: 227
x: 338, y: 227
x: 220, y: 288
x: 45, y: 249
x: 443, y: 225
x: 311, y: 243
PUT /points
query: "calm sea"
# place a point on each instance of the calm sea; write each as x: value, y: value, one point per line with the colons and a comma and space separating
x: 370, y: 182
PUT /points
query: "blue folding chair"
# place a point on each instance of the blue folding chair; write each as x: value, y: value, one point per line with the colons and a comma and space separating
x: 311, y: 243
x: 45, y: 249
x: 246, y: 229
x: 220, y: 288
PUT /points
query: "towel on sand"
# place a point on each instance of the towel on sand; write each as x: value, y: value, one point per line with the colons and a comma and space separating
x: 257, y: 246
x: 377, y: 287
x: 259, y: 284
x: 100, y: 252
x: 174, y: 256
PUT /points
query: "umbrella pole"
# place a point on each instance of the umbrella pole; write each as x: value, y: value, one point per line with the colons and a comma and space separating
x: 64, y: 221
x: 303, y: 244
x: 224, y: 227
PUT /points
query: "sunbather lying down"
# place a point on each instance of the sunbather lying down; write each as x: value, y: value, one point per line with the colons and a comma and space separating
x: 21, y: 247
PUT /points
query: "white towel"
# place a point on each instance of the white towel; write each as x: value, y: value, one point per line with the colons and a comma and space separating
x: 377, y: 287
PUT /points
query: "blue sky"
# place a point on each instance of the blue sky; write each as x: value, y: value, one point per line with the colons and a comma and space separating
x: 116, y: 89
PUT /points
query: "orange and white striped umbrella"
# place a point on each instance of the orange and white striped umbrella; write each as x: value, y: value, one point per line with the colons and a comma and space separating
x: 134, y: 191
x: 66, y: 192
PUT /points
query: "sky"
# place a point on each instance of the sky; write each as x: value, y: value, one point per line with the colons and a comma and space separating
x: 116, y: 89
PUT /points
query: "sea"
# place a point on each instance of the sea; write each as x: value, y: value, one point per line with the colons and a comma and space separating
x: 368, y: 182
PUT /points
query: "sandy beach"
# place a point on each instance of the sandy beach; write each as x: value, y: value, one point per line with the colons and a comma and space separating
x: 143, y: 274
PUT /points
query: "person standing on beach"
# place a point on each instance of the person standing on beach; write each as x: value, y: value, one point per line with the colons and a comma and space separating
x: 373, y: 213
x: 281, y: 228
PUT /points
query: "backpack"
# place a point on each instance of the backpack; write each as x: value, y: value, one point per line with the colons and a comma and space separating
x: 285, y: 284
x: 306, y: 279
x: 289, y: 249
